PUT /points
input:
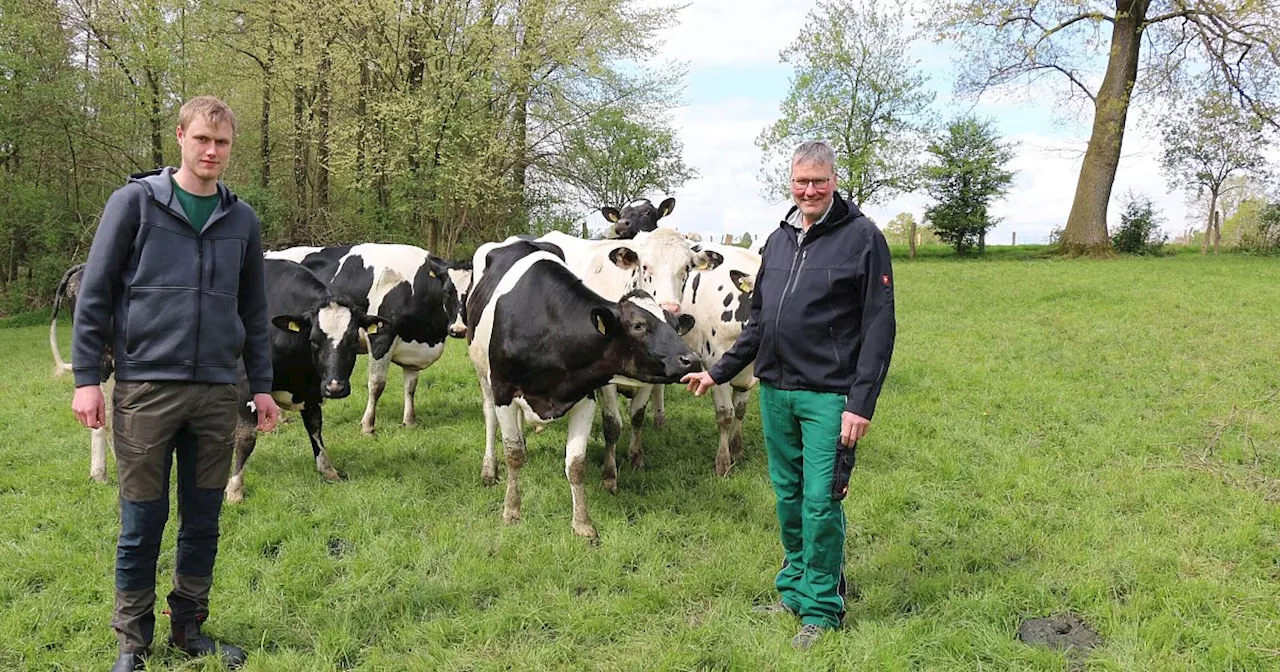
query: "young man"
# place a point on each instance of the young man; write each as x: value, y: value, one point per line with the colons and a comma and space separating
x: 821, y: 334
x: 176, y: 271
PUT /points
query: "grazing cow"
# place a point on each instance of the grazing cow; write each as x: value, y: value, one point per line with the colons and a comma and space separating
x: 719, y: 297
x: 313, y: 350
x: 636, y: 216
x: 404, y: 284
x: 657, y: 262
x: 542, y: 342
x: 69, y: 287
x: 460, y: 274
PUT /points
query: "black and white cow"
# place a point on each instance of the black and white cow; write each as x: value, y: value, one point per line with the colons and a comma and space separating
x: 69, y: 288
x: 657, y: 262
x: 636, y: 216
x: 404, y: 284
x: 718, y: 295
x: 314, y: 343
x: 542, y: 342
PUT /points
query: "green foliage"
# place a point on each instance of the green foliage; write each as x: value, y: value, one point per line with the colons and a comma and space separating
x: 1087, y: 454
x: 1139, y: 231
x: 855, y: 86
x: 1264, y: 236
x: 745, y: 240
x: 433, y: 124
x: 966, y: 173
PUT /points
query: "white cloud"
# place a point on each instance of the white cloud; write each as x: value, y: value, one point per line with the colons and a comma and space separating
x: 739, y: 33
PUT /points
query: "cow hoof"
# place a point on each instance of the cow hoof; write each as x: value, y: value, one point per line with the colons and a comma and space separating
x: 660, y: 420
x: 410, y: 423
x: 510, y: 516
x: 611, y: 485
x: 367, y: 430
x: 637, y: 462
x: 235, y: 496
x: 101, y: 478
x: 331, y: 475
x: 723, y: 467
x: 488, y: 478
x: 585, y: 530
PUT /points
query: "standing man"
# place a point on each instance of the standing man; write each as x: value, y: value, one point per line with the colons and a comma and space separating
x: 176, y: 272
x: 821, y: 334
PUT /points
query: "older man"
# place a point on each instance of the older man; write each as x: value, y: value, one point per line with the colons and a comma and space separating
x: 821, y: 335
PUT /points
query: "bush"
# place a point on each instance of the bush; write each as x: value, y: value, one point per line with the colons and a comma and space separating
x: 1264, y: 237
x: 1139, y: 231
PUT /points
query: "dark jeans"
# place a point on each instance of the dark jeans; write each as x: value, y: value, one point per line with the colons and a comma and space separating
x: 154, y: 420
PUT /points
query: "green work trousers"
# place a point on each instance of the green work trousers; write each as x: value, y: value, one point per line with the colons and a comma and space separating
x: 801, y: 429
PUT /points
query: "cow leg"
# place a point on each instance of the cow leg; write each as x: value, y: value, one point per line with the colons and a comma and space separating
x: 739, y: 412
x: 638, y: 402
x: 488, y: 468
x: 723, y: 396
x: 410, y: 389
x: 611, y: 423
x: 513, y: 446
x: 100, y: 437
x: 575, y: 464
x: 660, y: 406
x: 313, y: 420
x: 377, y: 383
x: 246, y: 438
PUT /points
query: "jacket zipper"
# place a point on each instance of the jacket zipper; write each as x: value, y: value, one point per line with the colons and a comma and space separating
x: 797, y: 261
x: 195, y: 360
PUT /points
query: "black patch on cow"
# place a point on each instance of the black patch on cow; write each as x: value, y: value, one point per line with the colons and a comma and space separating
x: 743, y: 313
x: 726, y: 316
x: 697, y: 279
x: 713, y: 332
x: 728, y: 299
x: 719, y: 288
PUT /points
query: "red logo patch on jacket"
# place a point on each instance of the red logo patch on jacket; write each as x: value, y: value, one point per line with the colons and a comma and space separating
x: 884, y: 279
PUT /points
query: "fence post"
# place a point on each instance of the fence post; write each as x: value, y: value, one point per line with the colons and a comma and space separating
x: 912, y: 239
x: 1015, y: 239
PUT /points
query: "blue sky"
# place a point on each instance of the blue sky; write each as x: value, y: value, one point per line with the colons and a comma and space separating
x: 736, y: 81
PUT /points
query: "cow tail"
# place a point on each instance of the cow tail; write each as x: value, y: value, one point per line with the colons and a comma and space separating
x: 60, y: 366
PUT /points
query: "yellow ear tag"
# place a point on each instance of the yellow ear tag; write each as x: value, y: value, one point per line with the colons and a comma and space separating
x: 373, y: 328
x: 600, y: 325
x: 295, y: 327
x: 744, y: 285
x: 431, y: 273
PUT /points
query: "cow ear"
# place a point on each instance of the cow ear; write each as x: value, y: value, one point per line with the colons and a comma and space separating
x: 745, y: 282
x: 606, y: 321
x: 611, y: 214
x: 684, y: 323
x: 380, y: 334
x: 707, y: 260
x: 666, y: 207
x: 293, y: 323
x: 624, y: 258
x: 374, y: 325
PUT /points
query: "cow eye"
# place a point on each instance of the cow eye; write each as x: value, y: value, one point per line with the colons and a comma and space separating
x: 637, y: 327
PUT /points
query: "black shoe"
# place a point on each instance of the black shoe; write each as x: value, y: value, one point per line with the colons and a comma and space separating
x: 187, y: 638
x: 130, y: 661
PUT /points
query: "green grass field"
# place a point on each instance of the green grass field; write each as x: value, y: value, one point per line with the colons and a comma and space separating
x: 1095, y: 437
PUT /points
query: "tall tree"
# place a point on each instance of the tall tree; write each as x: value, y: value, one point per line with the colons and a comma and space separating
x: 1207, y: 146
x: 967, y: 171
x: 1010, y: 41
x: 856, y: 86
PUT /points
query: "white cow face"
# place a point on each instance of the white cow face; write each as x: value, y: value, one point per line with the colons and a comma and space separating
x: 664, y: 262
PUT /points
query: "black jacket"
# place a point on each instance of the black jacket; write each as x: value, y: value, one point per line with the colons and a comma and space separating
x: 822, y: 311
x: 185, y: 306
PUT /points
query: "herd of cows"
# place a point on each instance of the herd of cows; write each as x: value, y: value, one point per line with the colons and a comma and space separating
x: 555, y: 325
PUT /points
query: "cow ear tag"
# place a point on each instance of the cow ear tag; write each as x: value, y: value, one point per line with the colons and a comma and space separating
x: 372, y: 329
x: 295, y: 327
x: 600, y: 325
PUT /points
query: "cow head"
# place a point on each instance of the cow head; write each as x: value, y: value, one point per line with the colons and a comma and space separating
x: 332, y: 331
x: 459, y: 286
x: 651, y: 350
x: 660, y: 262
x: 636, y: 216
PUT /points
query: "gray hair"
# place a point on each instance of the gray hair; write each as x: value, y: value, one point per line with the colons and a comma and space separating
x: 815, y: 151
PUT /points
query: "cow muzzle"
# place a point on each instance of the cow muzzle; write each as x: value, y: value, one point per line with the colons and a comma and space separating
x: 458, y: 330
x: 336, y: 389
x: 671, y: 307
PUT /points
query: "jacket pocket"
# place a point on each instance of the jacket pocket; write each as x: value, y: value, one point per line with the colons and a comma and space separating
x: 221, y: 331
x: 225, y: 258
x: 161, y: 325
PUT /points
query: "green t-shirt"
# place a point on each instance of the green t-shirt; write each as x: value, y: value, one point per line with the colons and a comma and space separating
x: 198, y: 208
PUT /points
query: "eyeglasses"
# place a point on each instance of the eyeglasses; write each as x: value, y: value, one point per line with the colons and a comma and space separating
x: 803, y: 185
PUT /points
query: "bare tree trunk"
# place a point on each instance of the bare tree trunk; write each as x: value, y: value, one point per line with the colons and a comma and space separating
x: 157, y: 131
x: 982, y: 243
x: 299, y: 150
x: 324, y: 101
x: 913, y: 239
x: 362, y: 110
x: 1209, y: 223
x: 264, y: 178
x: 1086, y: 230
x: 1217, y: 231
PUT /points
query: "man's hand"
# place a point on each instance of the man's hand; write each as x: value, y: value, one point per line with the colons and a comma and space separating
x: 698, y: 382
x: 268, y: 411
x: 852, y: 428
x: 89, y: 407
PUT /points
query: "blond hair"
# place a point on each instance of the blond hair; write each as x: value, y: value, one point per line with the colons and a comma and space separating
x: 208, y: 108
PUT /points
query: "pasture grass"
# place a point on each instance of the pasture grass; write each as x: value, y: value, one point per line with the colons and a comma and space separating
x: 1095, y: 437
